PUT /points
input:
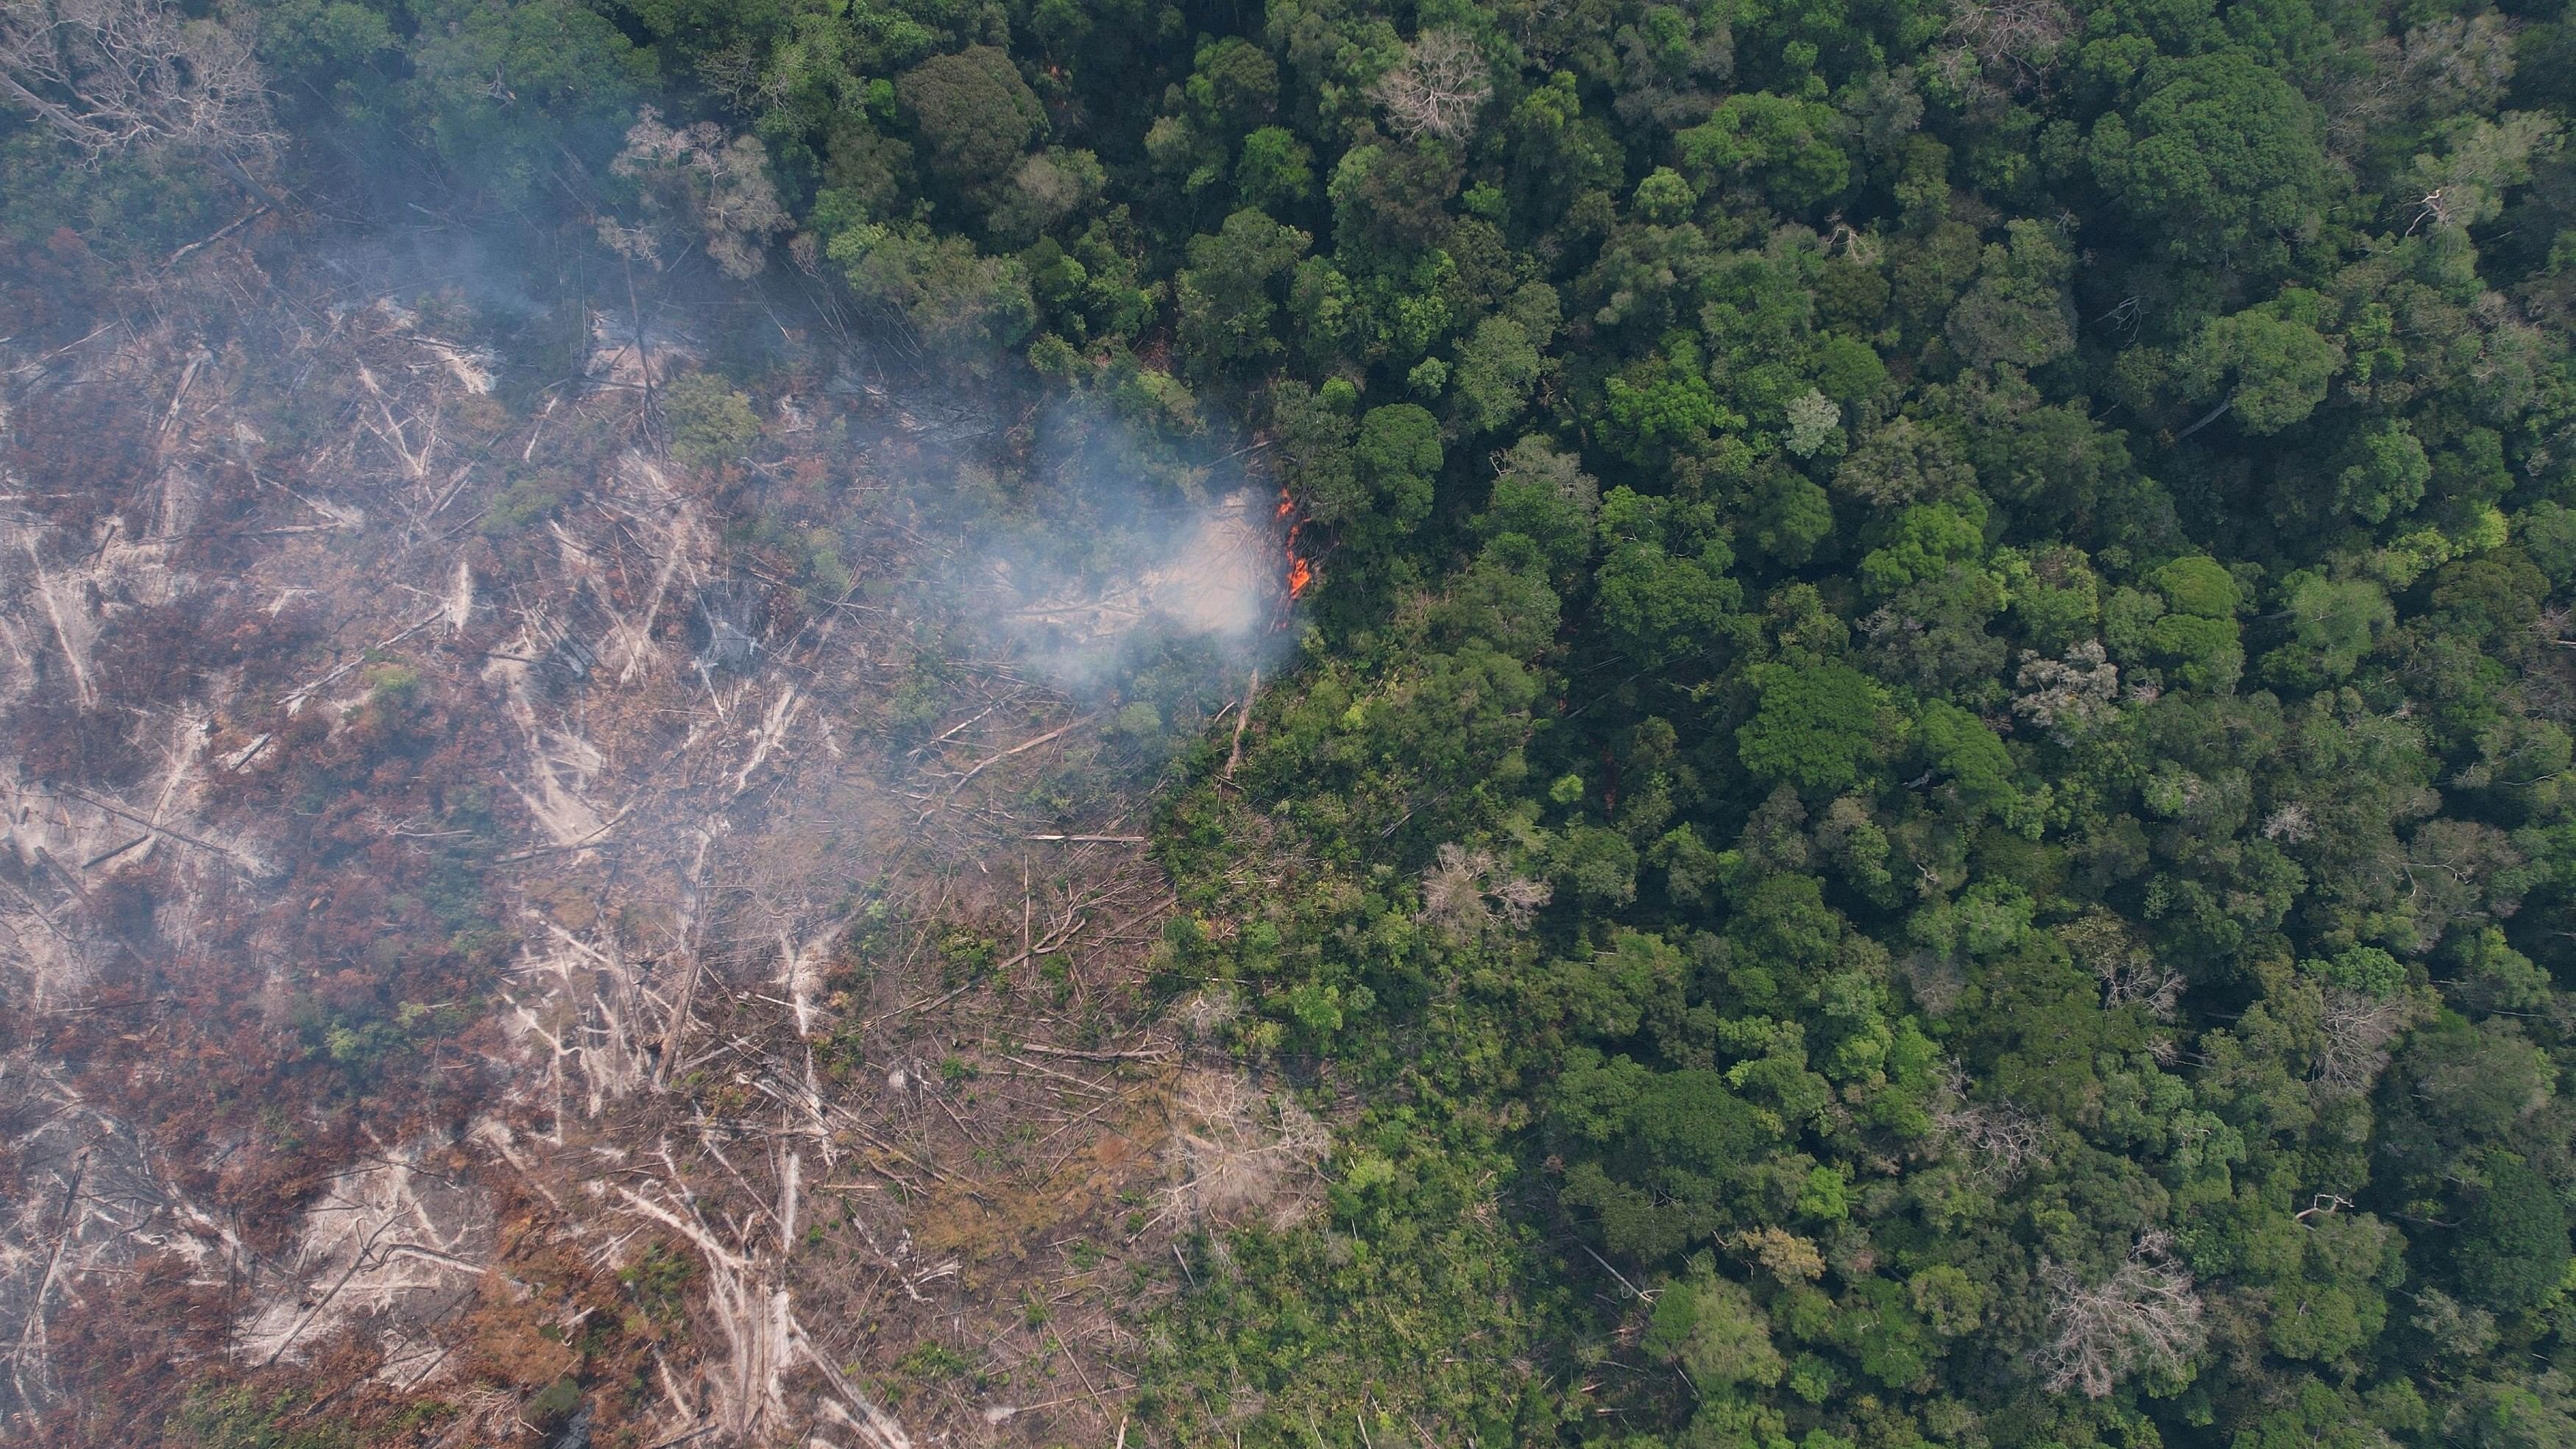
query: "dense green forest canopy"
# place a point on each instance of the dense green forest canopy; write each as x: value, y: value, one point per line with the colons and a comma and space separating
x: 1927, y: 794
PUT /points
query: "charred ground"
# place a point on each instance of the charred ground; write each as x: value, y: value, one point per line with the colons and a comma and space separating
x: 536, y: 904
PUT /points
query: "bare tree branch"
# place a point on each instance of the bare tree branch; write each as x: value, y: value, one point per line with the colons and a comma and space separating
x: 2144, y: 1318
x: 111, y: 76
x: 1438, y: 88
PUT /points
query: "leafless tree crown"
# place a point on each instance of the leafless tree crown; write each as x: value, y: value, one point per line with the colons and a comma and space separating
x: 2020, y: 34
x: 723, y: 184
x: 114, y: 75
x: 2144, y: 1318
x: 2065, y: 696
x: 1996, y: 1139
x: 2128, y: 971
x: 1467, y: 893
x: 1237, y: 1152
x: 1438, y: 88
x: 2355, y: 1030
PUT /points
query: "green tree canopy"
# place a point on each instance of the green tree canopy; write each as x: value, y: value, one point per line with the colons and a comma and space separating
x: 973, y: 113
x: 2218, y: 153
x: 1817, y: 726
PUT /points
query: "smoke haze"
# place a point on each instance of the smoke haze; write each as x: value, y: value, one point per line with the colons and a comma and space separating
x: 472, y: 694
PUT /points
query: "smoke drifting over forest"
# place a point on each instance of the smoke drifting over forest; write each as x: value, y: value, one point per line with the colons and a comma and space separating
x: 1616, y: 725
x: 455, y: 728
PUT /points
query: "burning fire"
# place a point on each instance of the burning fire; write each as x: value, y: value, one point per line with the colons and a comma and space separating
x: 1300, y: 572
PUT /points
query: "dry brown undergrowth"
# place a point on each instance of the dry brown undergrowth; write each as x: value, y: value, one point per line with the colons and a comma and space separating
x: 816, y: 1099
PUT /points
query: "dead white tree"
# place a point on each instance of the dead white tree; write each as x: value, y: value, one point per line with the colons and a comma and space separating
x: 720, y: 183
x: 2128, y: 971
x: 1236, y: 1151
x: 744, y: 1297
x: 1467, y: 893
x: 390, y: 1242
x: 114, y: 75
x: 1438, y: 88
x: 85, y: 1194
x: 2139, y: 979
x: 2022, y: 35
x: 2144, y: 1318
x: 2356, y: 1028
x: 2293, y: 823
x: 2064, y: 697
x: 1996, y: 1139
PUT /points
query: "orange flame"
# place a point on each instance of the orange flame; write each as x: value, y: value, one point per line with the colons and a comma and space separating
x: 1300, y: 572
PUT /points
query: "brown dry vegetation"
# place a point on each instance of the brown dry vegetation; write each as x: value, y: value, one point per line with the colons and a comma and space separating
x: 438, y: 1003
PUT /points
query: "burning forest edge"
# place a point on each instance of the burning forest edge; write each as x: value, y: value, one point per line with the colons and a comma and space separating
x: 873, y: 724
x: 581, y: 904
